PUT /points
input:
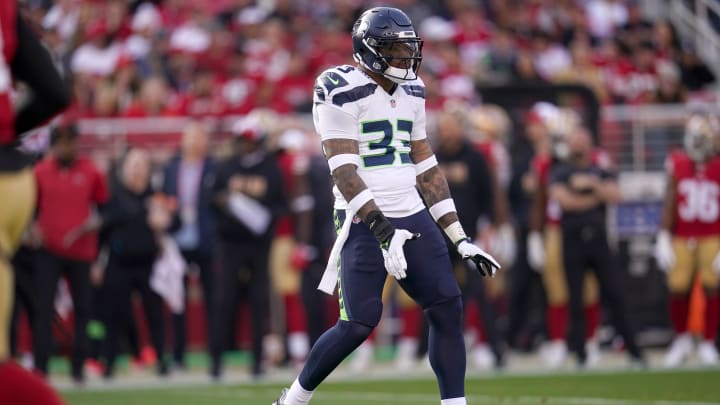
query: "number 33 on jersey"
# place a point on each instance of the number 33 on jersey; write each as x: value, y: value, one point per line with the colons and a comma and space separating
x: 697, y: 190
x: 350, y: 105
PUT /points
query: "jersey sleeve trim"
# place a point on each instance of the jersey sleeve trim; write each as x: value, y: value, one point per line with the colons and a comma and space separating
x: 414, y: 90
x: 354, y: 94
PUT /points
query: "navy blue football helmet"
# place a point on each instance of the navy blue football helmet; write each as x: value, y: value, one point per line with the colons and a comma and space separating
x: 383, y: 39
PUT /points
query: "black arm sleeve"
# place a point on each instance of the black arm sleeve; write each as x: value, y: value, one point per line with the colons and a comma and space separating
x: 32, y: 64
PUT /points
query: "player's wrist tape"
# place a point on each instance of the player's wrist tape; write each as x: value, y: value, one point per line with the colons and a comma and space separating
x: 441, y: 208
x: 456, y: 233
x: 381, y: 228
x: 425, y: 165
x: 359, y: 200
x: 344, y: 159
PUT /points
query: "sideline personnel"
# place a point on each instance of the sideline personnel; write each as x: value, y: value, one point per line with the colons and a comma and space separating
x: 583, y: 190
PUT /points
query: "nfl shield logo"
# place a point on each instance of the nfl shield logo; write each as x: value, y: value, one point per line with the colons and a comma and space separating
x: 392, y: 103
x: 356, y: 219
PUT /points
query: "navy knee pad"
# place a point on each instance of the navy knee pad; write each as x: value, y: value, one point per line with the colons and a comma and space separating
x: 354, y: 331
x: 446, y: 315
x: 331, y: 349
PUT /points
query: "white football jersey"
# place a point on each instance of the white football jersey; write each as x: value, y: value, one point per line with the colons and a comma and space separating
x: 349, y: 104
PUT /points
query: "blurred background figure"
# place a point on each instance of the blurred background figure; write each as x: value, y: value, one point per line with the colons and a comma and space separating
x: 545, y: 248
x: 133, y: 224
x: 291, y: 252
x: 472, y: 186
x: 688, y: 246
x: 26, y: 61
x: 583, y: 190
x: 311, y: 258
x: 248, y: 198
x: 70, y: 190
x: 188, y: 179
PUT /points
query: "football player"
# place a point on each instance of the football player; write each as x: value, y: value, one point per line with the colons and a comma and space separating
x: 689, y: 239
x: 545, y: 241
x: 291, y: 253
x: 371, y: 119
x: 23, y: 58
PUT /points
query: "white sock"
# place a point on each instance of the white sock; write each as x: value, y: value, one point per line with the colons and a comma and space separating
x: 297, y: 395
x: 453, y: 401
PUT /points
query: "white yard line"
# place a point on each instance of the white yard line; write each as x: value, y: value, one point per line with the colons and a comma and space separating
x: 372, y: 397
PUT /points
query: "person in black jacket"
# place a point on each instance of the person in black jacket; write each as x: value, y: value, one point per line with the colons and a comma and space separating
x: 248, y: 198
x: 188, y: 178
x: 584, y: 189
x: 131, y: 224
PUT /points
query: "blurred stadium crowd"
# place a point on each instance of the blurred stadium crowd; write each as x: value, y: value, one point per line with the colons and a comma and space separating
x: 163, y: 221
x: 203, y: 58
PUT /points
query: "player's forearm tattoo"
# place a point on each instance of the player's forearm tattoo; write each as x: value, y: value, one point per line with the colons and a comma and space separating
x: 434, y: 188
x: 345, y: 177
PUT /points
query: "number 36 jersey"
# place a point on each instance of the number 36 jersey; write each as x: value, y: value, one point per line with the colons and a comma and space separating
x: 697, y: 193
x: 348, y: 104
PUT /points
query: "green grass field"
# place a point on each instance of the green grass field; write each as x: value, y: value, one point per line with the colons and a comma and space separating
x: 691, y: 387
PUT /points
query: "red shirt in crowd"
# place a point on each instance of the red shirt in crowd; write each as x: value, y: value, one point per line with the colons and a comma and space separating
x: 66, y: 196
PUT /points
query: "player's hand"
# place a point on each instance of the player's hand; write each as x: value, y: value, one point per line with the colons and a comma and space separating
x: 536, y: 251
x: 663, y: 251
x: 486, y: 264
x: 394, y: 255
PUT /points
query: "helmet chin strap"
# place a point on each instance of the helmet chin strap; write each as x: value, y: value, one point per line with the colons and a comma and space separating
x: 398, y: 75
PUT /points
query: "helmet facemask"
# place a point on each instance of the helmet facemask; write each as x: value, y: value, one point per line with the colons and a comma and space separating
x: 397, y: 59
x: 699, y: 139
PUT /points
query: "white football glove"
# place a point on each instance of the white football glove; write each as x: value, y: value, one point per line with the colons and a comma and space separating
x: 503, y: 245
x: 394, y: 255
x: 663, y: 251
x: 536, y: 251
x: 486, y: 264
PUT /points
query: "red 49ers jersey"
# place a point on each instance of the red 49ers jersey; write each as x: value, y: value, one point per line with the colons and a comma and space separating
x: 542, y: 165
x: 697, y: 194
x: 8, y: 44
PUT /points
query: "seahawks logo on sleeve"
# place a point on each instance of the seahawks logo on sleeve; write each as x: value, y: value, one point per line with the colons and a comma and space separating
x: 341, y: 85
